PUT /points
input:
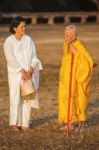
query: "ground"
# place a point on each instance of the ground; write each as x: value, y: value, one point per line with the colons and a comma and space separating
x: 44, y: 133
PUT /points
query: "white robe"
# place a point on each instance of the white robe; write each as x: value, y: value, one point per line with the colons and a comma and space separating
x: 21, y: 54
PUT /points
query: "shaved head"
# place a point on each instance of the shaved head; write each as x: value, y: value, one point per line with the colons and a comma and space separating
x: 70, y: 33
x: 72, y: 29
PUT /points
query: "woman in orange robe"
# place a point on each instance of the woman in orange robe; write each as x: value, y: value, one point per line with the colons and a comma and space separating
x: 81, y: 74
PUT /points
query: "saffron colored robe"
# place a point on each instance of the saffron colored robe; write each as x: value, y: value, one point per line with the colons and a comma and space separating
x: 81, y: 75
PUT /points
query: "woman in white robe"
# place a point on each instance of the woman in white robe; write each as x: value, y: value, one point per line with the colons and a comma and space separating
x: 22, y: 63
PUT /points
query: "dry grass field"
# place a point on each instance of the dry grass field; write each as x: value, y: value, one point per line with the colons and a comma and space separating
x: 44, y: 133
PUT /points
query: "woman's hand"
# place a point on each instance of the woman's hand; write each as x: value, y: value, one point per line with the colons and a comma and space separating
x: 30, y: 72
x: 72, y: 48
x: 25, y: 75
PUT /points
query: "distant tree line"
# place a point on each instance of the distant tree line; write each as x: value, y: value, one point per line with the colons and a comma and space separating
x: 46, y: 5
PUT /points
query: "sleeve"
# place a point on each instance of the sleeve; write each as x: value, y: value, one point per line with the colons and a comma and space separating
x: 35, y: 61
x: 84, y: 65
x: 13, y: 65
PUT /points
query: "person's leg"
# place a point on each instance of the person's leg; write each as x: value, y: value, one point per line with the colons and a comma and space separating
x: 19, y: 118
x: 14, y: 99
x: 81, y: 129
x: 13, y: 117
x: 81, y: 126
x: 65, y: 126
x: 13, y: 114
x: 26, y: 112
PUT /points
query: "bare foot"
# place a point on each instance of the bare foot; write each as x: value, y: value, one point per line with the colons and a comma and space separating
x: 81, y: 130
x: 65, y: 127
x: 14, y: 128
x: 62, y: 128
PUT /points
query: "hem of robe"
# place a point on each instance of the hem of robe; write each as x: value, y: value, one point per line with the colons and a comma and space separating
x: 18, y: 125
x: 77, y: 118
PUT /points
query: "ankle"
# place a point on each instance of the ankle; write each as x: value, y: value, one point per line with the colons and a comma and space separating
x: 13, y: 126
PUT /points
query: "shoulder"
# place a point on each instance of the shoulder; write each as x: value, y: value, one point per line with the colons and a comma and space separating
x: 80, y: 45
x: 80, y: 42
x: 28, y: 38
x: 8, y: 39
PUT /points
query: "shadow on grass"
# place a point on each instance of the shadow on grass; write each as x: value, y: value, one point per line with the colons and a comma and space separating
x: 93, y: 109
x: 34, y: 123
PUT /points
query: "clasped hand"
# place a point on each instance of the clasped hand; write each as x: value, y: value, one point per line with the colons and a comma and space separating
x: 26, y: 75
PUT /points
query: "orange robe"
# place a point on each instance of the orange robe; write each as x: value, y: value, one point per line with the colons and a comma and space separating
x: 81, y: 75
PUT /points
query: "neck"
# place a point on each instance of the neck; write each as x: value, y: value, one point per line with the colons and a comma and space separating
x: 18, y: 37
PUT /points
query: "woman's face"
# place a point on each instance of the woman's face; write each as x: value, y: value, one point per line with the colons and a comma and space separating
x: 69, y: 36
x: 20, y: 29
